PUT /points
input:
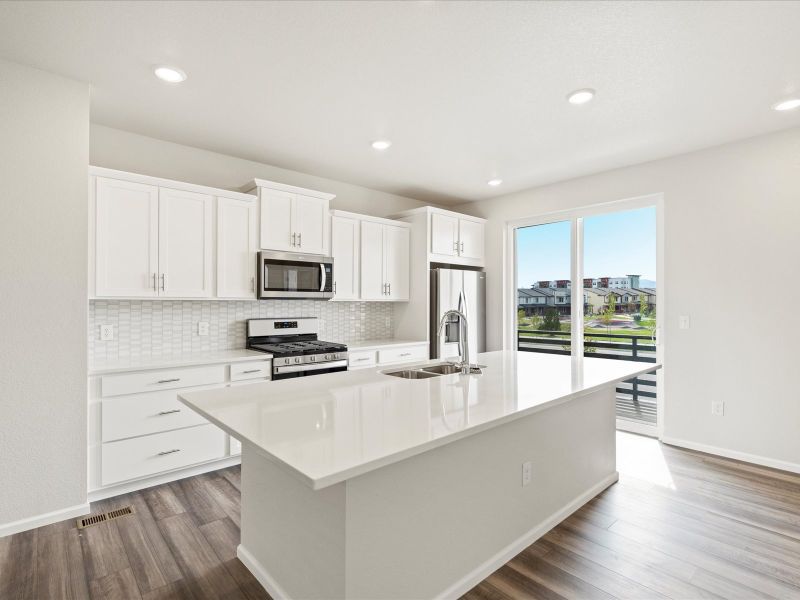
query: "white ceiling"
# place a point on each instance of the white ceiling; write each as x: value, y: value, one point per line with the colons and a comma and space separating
x: 465, y: 91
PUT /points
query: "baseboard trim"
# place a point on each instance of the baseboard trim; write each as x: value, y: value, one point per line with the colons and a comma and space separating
x: 71, y: 512
x: 473, y: 578
x: 781, y: 465
x: 261, y: 574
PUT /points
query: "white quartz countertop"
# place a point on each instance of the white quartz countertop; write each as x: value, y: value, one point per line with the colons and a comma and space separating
x: 173, y: 361
x: 371, y: 344
x: 329, y: 428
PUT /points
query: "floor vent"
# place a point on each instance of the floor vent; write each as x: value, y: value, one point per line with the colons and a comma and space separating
x: 103, y: 517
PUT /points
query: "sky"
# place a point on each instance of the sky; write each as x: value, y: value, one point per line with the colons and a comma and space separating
x: 616, y: 244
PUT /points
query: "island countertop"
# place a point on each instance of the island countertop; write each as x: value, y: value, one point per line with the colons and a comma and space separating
x: 329, y: 428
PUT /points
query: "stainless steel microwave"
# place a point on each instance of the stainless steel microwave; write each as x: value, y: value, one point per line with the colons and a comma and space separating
x: 290, y: 275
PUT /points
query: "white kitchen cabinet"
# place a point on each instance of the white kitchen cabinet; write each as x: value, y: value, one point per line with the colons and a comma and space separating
x: 384, y: 261
x: 470, y: 239
x: 126, y: 239
x: 293, y: 219
x: 236, y: 248
x: 185, y: 238
x: 444, y: 234
x: 345, y: 250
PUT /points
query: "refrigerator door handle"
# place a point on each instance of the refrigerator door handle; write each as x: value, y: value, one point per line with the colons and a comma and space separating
x: 462, y: 308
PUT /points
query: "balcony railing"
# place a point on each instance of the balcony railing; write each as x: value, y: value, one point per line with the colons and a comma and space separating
x: 636, y: 397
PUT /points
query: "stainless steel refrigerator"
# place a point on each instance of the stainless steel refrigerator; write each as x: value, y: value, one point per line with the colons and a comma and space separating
x: 463, y: 290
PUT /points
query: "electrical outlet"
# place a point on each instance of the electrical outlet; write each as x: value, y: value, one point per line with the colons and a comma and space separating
x: 202, y: 328
x: 106, y: 333
x: 684, y: 322
x: 527, y: 473
x: 718, y: 408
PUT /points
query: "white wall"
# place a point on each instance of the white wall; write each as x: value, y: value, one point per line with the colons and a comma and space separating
x: 44, y: 153
x: 732, y: 223
x: 125, y: 151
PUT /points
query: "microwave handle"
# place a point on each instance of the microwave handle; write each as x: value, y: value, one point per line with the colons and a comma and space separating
x: 323, y: 277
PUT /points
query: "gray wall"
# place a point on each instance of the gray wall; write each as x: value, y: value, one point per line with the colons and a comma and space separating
x: 116, y: 149
x: 731, y: 251
x: 44, y: 154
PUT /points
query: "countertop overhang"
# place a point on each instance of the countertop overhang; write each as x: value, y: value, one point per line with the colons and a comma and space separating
x: 329, y: 428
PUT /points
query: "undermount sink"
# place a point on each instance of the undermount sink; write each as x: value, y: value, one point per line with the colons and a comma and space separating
x: 411, y: 374
x: 444, y: 369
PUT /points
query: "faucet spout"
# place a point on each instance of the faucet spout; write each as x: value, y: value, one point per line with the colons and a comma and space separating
x: 465, y: 360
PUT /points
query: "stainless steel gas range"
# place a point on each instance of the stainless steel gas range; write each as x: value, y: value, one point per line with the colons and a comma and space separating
x: 295, y: 349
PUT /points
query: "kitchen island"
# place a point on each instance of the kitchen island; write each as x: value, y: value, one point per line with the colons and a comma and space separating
x: 364, y: 485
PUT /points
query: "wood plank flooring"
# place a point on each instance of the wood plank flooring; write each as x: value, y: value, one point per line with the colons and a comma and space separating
x: 679, y: 524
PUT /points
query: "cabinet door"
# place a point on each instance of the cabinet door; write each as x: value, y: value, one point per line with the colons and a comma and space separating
x: 236, y: 248
x: 444, y: 235
x: 309, y: 221
x: 470, y: 235
x: 345, y: 249
x: 396, y: 258
x: 372, y: 280
x: 184, y: 244
x: 126, y: 239
x: 276, y: 220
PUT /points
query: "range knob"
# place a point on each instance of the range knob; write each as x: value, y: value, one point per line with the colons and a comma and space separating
x: 313, y: 358
x: 327, y: 357
x: 297, y: 360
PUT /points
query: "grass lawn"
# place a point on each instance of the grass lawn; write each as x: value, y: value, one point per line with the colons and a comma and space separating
x: 596, y: 333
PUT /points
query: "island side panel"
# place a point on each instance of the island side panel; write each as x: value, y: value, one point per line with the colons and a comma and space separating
x: 436, y: 524
x: 293, y: 538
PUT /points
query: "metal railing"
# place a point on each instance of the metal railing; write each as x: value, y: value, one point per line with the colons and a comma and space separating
x: 636, y: 397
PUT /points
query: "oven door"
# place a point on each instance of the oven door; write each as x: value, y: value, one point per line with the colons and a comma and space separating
x: 291, y: 371
x: 286, y: 275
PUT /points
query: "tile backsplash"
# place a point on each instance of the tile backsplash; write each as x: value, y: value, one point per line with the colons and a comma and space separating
x: 146, y: 329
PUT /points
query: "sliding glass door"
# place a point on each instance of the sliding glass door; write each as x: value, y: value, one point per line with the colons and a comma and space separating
x: 588, y: 283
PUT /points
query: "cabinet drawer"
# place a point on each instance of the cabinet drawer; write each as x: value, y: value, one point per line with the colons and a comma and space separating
x: 164, y: 379
x: 402, y: 354
x: 358, y: 360
x: 251, y: 370
x: 152, y: 454
x: 142, y: 414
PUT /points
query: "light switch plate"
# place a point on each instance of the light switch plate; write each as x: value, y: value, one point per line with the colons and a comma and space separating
x: 718, y: 408
x: 106, y: 333
x: 202, y: 328
x: 527, y: 473
x: 684, y: 322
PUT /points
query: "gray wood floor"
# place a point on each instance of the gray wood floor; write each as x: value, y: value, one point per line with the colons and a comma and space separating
x: 679, y: 524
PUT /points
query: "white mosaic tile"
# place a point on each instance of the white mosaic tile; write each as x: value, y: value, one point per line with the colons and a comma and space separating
x: 152, y: 328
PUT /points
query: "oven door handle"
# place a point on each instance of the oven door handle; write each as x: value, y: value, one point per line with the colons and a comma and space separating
x: 333, y: 364
x: 323, y: 277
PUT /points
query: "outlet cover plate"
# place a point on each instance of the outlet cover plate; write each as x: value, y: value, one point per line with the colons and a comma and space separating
x: 106, y: 333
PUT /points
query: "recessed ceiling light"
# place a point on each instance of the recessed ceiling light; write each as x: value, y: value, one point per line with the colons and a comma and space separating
x: 581, y: 96
x: 494, y: 182
x: 787, y: 104
x: 169, y: 74
x: 381, y: 144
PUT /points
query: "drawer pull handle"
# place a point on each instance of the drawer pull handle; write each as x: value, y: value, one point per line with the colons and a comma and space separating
x: 251, y: 371
x: 169, y: 412
x: 168, y: 380
x: 361, y: 359
x: 173, y: 451
x: 406, y: 354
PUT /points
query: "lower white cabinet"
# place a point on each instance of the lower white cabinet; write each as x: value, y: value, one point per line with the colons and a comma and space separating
x: 140, y: 434
x: 386, y: 354
x: 400, y: 354
x: 166, y: 451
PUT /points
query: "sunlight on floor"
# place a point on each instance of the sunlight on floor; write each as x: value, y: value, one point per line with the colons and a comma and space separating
x: 640, y: 457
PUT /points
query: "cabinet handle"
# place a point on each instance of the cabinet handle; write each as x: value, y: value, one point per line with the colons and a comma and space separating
x: 334, y: 287
x: 169, y: 380
x: 294, y: 239
x: 455, y: 246
x: 251, y: 371
x: 170, y: 412
x: 163, y: 282
x: 462, y: 247
x: 155, y: 282
x: 390, y: 288
x: 165, y: 452
x: 405, y: 354
x: 361, y: 359
x: 299, y: 240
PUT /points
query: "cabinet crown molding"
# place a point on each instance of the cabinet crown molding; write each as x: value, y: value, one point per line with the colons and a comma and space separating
x: 169, y: 183
x: 428, y: 210
x: 285, y: 187
x: 362, y: 217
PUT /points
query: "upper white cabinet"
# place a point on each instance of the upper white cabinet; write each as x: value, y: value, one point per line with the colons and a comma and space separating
x: 236, y: 248
x: 293, y: 219
x: 153, y: 237
x: 345, y: 250
x: 126, y: 239
x: 384, y: 261
x: 185, y: 237
x: 452, y: 237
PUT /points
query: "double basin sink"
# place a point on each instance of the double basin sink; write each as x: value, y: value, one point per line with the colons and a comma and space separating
x: 426, y: 372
